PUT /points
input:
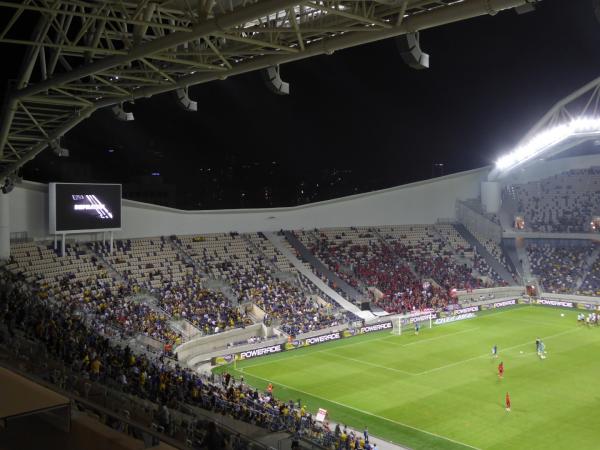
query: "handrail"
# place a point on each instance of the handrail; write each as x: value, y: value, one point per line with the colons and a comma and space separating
x: 76, y: 398
x: 196, y: 411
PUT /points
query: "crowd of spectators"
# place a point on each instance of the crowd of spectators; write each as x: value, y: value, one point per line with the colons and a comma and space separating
x: 69, y: 340
x: 252, y: 277
x: 111, y: 304
x: 295, y: 311
x: 373, y: 263
x: 340, y: 258
x: 446, y: 271
x: 591, y: 283
x: 564, y: 203
x: 484, y: 269
x: 152, y: 268
x: 208, y: 310
x: 558, y: 268
x: 412, y: 267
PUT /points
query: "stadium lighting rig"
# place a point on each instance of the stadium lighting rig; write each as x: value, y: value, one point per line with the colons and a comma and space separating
x: 543, y: 142
x: 571, y: 121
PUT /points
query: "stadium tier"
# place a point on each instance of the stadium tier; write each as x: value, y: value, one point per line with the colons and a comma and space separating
x: 591, y: 282
x: 205, y: 266
x: 565, y: 202
x: 256, y: 278
x: 403, y: 263
x: 559, y: 269
x: 80, y: 281
x: 177, y: 319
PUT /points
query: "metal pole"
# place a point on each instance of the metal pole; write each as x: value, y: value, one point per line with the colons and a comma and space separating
x: 111, y: 241
x: 55, y: 241
x: 4, y: 226
x: 64, y: 238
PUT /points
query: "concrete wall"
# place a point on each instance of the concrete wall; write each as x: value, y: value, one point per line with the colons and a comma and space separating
x: 541, y: 235
x: 206, y: 344
x: 415, y: 203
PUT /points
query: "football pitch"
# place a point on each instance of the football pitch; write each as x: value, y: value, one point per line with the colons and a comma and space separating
x: 440, y: 390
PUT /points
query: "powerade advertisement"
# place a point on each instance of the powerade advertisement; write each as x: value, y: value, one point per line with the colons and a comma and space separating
x: 468, y: 309
x: 502, y: 304
x: 454, y: 318
x: 562, y: 304
x: 419, y: 318
x: 299, y: 343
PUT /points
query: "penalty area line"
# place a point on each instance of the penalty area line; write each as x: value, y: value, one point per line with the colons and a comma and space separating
x: 456, y: 363
x: 367, y: 413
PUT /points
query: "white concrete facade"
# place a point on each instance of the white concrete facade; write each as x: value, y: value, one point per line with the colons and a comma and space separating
x: 416, y: 203
x: 491, y: 196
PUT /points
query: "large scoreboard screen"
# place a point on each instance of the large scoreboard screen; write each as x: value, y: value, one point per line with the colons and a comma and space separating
x: 76, y: 207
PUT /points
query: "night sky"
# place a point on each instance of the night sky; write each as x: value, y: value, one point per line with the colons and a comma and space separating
x: 355, y: 121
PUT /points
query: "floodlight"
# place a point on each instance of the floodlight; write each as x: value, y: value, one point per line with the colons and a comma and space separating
x: 121, y: 114
x: 274, y: 82
x: 58, y: 150
x: 8, y: 185
x: 541, y: 142
x: 185, y: 101
x: 410, y: 50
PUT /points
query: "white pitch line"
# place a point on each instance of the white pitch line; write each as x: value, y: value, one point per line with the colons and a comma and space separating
x: 367, y: 412
x: 269, y: 361
x: 537, y: 322
x: 382, y: 339
x: 367, y: 363
x: 487, y: 354
x: 439, y: 337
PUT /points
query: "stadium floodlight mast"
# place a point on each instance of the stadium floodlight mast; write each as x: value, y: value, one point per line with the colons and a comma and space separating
x: 580, y: 128
x: 571, y: 121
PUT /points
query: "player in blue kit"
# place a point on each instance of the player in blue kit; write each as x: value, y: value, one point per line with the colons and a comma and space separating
x: 542, y: 350
x: 495, y: 351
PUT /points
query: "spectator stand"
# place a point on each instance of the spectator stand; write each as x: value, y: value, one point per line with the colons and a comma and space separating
x: 165, y: 393
x: 562, y: 203
x: 591, y: 283
x: 558, y: 267
x: 229, y: 257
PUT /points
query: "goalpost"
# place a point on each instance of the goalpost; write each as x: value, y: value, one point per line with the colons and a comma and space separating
x: 397, y: 324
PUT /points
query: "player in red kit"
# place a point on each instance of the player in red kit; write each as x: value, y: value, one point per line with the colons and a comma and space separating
x: 501, y: 370
x: 507, y: 400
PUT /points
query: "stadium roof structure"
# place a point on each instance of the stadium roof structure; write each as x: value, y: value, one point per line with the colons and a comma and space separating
x: 88, y: 54
x: 570, y: 122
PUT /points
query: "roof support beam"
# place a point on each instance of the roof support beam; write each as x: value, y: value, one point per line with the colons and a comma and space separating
x: 270, y: 39
x: 172, y: 40
x: 434, y: 18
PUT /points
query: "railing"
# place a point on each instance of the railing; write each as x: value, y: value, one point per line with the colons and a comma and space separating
x: 43, y: 369
x: 490, y: 293
x: 134, y: 427
x: 475, y: 220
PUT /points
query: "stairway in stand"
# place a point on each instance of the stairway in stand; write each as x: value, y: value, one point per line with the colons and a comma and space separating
x: 280, y: 243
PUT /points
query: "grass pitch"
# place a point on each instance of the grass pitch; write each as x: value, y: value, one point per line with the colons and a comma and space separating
x: 440, y: 390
